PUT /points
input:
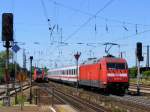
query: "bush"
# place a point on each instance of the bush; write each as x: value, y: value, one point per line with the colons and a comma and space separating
x: 146, y: 74
x: 132, y: 72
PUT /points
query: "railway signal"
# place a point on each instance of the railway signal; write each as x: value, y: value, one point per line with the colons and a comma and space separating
x: 77, y: 56
x: 31, y: 58
x: 139, y: 58
x: 139, y: 51
x: 7, y: 27
x: 7, y: 38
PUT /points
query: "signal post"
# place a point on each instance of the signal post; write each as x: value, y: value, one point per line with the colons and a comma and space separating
x: 31, y: 58
x: 7, y: 38
x: 139, y: 58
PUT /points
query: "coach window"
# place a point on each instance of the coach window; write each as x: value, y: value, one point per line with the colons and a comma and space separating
x: 74, y: 71
x: 67, y: 72
x: 70, y: 72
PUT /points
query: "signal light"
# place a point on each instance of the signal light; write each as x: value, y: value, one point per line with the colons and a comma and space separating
x: 139, y: 51
x: 7, y: 27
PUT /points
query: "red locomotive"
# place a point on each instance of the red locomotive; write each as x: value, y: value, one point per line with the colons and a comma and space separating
x: 108, y: 73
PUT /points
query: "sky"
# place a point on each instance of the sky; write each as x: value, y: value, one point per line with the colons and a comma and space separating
x: 75, y: 25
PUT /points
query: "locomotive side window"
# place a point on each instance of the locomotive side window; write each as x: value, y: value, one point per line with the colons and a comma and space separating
x: 116, y: 66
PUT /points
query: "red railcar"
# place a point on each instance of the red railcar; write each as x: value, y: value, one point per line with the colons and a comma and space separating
x: 39, y: 74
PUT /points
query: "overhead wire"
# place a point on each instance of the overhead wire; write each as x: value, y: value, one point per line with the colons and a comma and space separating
x: 90, y: 14
x: 86, y: 13
x: 89, y: 19
x: 44, y: 10
x: 137, y: 33
x: 47, y: 18
x: 108, y: 19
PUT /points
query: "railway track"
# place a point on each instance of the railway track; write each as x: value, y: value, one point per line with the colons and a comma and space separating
x: 129, y: 102
x: 133, y: 101
x: 76, y: 102
x: 143, y: 87
x: 12, y: 91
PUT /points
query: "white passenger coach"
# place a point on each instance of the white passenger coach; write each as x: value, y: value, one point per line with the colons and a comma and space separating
x: 66, y: 74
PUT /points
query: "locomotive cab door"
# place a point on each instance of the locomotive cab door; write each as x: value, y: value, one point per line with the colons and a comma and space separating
x: 102, y: 75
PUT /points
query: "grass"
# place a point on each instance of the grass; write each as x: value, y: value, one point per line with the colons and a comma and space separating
x: 142, y: 81
x: 19, y: 99
x: 1, y: 103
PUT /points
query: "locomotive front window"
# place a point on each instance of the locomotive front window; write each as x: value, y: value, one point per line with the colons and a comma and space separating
x: 39, y: 72
x: 116, y: 65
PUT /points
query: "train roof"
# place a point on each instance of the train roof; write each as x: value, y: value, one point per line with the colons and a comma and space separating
x: 91, y: 61
x: 63, y: 68
x: 105, y: 58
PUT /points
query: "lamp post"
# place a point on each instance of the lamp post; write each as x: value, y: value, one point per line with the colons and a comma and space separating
x: 77, y: 56
x: 31, y: 58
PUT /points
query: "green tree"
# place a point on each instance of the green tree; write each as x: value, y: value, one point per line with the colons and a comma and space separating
x: 3, y: 62
x: 133, y: 72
